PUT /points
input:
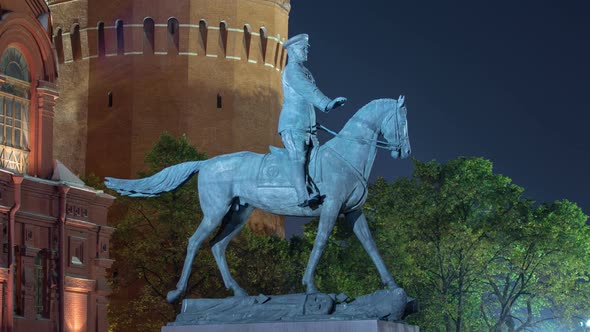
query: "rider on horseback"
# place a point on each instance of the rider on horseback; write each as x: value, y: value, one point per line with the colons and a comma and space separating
x: 297, y: 124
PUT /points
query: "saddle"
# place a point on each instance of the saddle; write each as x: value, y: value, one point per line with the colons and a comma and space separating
x: 274, y: 169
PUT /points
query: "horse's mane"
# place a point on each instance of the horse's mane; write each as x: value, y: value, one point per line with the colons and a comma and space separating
x: 370, y: 113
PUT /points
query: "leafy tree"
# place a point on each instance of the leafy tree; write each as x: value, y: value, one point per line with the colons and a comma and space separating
x: 149, y: 246
x: 542, y: 264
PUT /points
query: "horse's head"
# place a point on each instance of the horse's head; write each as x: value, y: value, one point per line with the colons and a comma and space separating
x: 394, y: 128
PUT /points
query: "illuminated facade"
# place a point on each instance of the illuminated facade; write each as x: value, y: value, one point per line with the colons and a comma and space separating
x: 55, y: 237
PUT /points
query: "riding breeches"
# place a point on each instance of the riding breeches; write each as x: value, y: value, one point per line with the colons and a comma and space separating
x: 298, y: 143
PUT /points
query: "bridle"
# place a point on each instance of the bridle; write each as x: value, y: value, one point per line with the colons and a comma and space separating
x: 378, y: 143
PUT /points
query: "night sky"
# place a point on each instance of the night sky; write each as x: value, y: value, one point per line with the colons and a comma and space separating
x: 506, y: 80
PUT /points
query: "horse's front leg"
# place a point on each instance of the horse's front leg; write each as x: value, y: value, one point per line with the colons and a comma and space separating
x: 361, y: 230
x: 330, y: 211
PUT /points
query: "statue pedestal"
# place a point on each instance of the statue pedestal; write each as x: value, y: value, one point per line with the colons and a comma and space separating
x: 306, y: 326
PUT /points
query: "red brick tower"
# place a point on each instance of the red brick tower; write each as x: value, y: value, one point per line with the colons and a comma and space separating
x: 131, y: 69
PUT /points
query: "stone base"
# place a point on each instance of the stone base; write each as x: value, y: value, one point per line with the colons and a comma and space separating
x: 315, y: 326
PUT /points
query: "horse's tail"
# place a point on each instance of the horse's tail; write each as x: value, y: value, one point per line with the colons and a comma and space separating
x: 165, y: 180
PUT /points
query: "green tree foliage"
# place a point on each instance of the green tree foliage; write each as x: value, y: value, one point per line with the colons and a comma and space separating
x: 149, y: 246
x: 541, y: 264
x: 469, y: 246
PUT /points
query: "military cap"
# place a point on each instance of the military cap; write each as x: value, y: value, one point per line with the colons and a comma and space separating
x: 296, y: 40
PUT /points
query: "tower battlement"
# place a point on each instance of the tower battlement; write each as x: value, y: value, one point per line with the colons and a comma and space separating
x: 170, y: 38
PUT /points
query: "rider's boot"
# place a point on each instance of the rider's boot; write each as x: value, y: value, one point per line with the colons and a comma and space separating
x: 315, y: 200
x: 298, y: 180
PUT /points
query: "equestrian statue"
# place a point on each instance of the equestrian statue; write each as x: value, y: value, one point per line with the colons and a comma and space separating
x: 231, y: 186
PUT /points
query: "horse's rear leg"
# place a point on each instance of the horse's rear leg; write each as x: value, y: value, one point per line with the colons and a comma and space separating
x: 234, y: 222
x: 361, y: 230
x: 207, y: 226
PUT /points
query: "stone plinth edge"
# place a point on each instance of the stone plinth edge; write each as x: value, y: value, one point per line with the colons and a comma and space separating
x: 305, y: 326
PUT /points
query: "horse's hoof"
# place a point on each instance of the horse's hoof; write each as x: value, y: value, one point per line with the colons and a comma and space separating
x: 173, y: 295
x: 391, y: 285
x: 240, y: 292
x: 311, y: 289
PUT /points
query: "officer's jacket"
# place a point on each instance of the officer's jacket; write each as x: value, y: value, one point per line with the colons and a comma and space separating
x: 300, y: 95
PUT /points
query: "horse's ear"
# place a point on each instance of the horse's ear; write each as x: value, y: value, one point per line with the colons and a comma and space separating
x: 400, y: 101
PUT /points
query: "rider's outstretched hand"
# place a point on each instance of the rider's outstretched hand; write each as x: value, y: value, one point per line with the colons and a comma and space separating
x: 335, y: 103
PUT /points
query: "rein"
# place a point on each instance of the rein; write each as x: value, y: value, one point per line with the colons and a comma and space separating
x: 380, y: 144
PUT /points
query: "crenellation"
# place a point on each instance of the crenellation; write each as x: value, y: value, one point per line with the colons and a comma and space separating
x: 67, y: 47
x: 271, y: 52
x: 213, y: 47
x: 161, y: 39
x: 229, y: 43
x: 136, y: 41
x: 110, y: 38
x: 184, y: 40
x: 127, y: 40
x: 91, y: 42
x: 84, y: 44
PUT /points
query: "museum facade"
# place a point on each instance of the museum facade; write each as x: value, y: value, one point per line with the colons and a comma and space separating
x: 55, y: 238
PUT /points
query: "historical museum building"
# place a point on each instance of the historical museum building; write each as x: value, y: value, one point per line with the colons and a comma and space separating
x: 55, y: 238
x: 132, y: 69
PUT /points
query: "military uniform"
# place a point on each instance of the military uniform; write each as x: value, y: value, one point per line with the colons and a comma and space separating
x: 297, y: 122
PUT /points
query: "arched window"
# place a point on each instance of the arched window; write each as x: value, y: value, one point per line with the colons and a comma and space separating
x: 148, y: 36
x: 263, y: 43
x: 173, y: 36
x: 120, y: 37
x: 247, y: 39
x: 59, y: 46
x: 15, y: 98
x: 101, y: 42
x: 203, y: 35
x: 223, y: 37
x: 76, y: 45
